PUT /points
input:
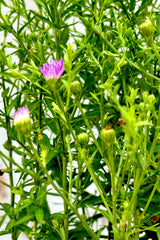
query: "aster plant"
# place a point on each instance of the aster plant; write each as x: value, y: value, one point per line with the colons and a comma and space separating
x: 81, y: 151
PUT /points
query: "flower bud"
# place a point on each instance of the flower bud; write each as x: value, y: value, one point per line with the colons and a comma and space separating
x: 108, y: 135
x: 151, y: 99
x: 76, y: 88
x: 22, y: 121
x: 83, y: 139
x: 147, y: 28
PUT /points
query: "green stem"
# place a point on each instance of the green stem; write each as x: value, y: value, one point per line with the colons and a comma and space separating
x: 120, y: 166
x: 61, y: 106
x: 150, y: 197
x: 89, y: 127
x: 68, y: 91
x: 136, y: 222
x: 97, y: 183
x: 113, y: 177
x: 72, y: 207
x: 64, y: 159
x: 155, y: 138
x: 137, y: 184
x: 70, y: 171
x: 6, y: 104
x: 57, y: 32
x: 147, y: 74
x: 154, y: 48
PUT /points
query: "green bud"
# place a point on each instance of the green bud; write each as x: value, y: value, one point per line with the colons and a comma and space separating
x: 51, y: 83
x: 108, y: 136
x: 68, y: 139
x: 83, y: 139
x: 151, y: 99
x: 76, y: 88
x: 147, y: 28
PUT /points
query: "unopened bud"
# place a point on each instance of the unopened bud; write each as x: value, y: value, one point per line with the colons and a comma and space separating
x: 147, y: 28
x: 76, y: 88
x: 22, y: 121
x: 108, y: 135
x: 151, y: 99
x: 83, y: 139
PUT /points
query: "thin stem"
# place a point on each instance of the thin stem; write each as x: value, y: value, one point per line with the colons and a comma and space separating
x: 112, y: 173
x: 147, y: 74
x: 155, y: 137
x: 154, y: 48
x: 72, y: 207
x: 57, y: 32
x: 6, y: 104
x: 120, y: 165
x: 68, y: 91
x: 96, y: 182
x: 64, y: 160
x: 70, y: 171
x: 150, y: 198
x: 89, y: 127
x: 137, y: 184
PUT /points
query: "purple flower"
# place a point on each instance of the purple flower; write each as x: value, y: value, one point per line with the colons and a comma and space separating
x: 22, y: 120
x: 21, y: 115
x: 54, y: 70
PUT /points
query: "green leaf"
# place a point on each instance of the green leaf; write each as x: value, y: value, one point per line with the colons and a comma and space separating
x: 8, y: 209
x: 59, y: 216
x: 68, y: 58
x: 23, y: 204
x: 44, y: 141
x: 24, y: 219
x: 41, y: 196
x: 9, y: 61
x: 158, y: 233
x: 103, y: 212
x: 40, y: 3
x: 39, y: 213
x: 5, y: 92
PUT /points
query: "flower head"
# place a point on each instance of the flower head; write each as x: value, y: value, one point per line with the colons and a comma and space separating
x: 54, y: 70
x: 22, y: 120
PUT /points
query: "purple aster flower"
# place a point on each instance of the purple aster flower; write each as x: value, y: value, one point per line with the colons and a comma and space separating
x: 54, y: 70
x: 22, y: 120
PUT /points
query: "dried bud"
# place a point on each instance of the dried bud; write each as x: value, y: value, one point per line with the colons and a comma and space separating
x: 120, y: 122
x: 108, y: 135
x: 155, y: 219
x: 76, y: 88
x: 83, y: 139
x: 147, y: 28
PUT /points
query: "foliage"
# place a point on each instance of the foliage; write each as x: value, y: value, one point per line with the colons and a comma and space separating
x: 108, y: 93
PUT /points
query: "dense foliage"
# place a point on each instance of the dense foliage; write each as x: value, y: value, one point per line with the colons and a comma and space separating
x: 94, y: 125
